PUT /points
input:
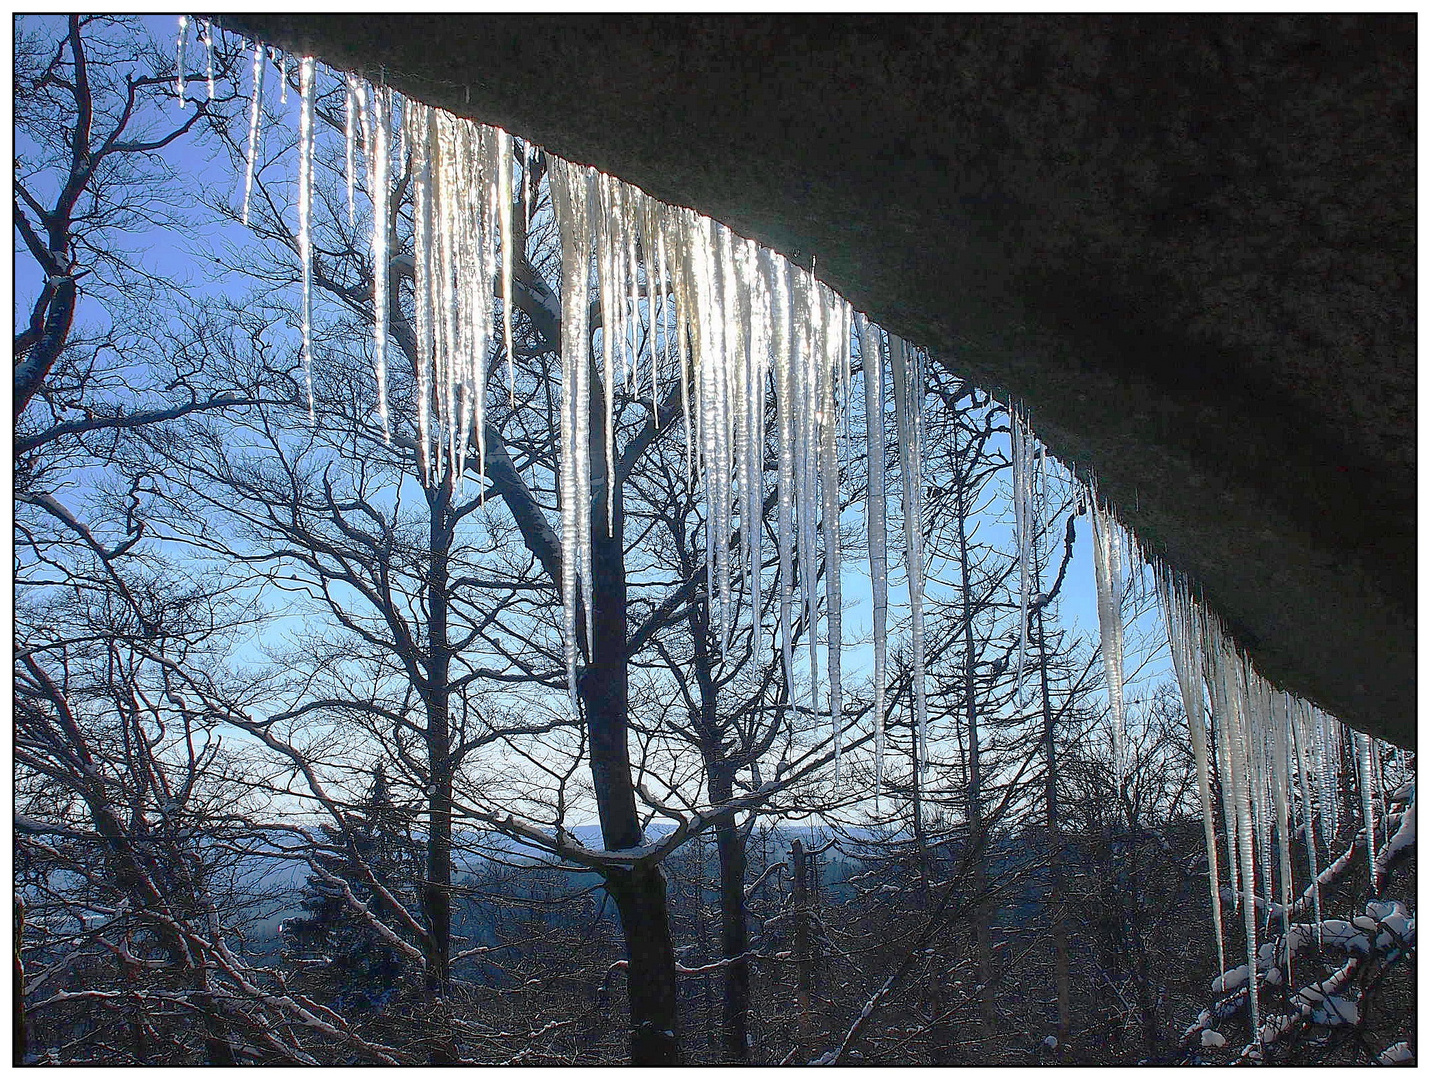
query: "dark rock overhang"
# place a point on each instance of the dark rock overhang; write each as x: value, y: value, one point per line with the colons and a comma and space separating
x: 1185, y: 242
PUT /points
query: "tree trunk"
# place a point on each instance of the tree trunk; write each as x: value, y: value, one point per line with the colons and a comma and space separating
x: 639, y: 892
x: 18, y: 1019
x: 803, y: 933
x: 640, y: 897
x: 734, y: 932
x: 941, y: 1045
x: 436, y: 890
x: 1061, y: 980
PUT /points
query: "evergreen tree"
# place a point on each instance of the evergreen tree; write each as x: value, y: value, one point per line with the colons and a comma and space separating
x: 357, y: 873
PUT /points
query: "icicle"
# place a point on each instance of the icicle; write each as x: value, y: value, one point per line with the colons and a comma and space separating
x: 179, y: 60
x: 253, y: 115
x: 484, y: 261
x: 807, y: 331
x: 1214, y: 666
x: 379, y: 160
x: 785, y: 361
x: 350, y: 141
x: 728, y: 348
x: 283, y: 77
x: 424, y: 285
x: 1107, y: 566
x: 569, y: 196
x: 588, y: 201
x: 1184, y: 641
x: 754, y: 454
x: 1280, y: 735
x: 1024, y: 527
x: 1240, y: 760
x: 875, y: 515
x: 1308, y: 823
x: 1367, y: 802
x: 305, y: 222
x: 1329, y: 752
x: 601, y: 220
x: 906, y: 409
x: 207, y: 37
x: 829, y: 488
x: 504, y: 222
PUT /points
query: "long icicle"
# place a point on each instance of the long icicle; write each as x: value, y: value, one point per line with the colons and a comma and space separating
x: 179, y: 59
x: 1308, y: 818
x: 1367, y: 803
x: 876, y: 523
x: 305, y: 221
x: 254, y: 110
x: 568, y: 200
x: 206, y: 35
x: 1024, y: 527
x: 350, y: 108
x: 829, y: 488
x: 1240, y: 759
x: 1184, y: 639
x: 1107, y: 567
x: 905, y: 406
x: 508, y: 254
x: 380, y: 124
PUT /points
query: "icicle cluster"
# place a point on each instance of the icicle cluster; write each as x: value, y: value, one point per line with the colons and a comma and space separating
x: 742, y: 331
x: 740, y: 328
x: 751, y: 340
x: 1279, y: 764
x: 458, y: 219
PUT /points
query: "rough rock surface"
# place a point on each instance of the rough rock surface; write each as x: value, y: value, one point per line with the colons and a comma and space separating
x: 1185, y: 242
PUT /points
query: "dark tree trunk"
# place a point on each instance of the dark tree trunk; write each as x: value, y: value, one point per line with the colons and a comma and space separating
x: 436, y: 890
x: 1061, y: 981
x: 18, y: 1019
x: 639, y: 892
x: 803, y: 933
x: 734, y: 931
x: 942, y: 1046
x: 640, y: 897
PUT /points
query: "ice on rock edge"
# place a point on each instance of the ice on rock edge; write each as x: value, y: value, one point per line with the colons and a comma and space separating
x: 728, y: 314
x: 1264, y: 744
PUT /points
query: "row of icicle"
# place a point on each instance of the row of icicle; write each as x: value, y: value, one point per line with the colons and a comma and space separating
x: 742, y: 328
x: 737, y: 326
x: 1277, y: 761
